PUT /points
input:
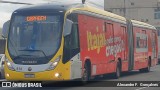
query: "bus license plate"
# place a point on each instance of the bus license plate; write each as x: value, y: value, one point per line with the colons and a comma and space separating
x: 29, y: 76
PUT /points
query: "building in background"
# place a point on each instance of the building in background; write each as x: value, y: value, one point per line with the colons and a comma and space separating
x: 143, y: 10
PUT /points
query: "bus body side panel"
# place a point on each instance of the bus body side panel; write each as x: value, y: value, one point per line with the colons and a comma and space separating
x: 110, y: 52
x: 154, y: 46
x: 102, y: 47
x: 92, y: 41
x: 120, y: 44
x: 125, y: 53
x: 141, y: 48
x: 150, y: 45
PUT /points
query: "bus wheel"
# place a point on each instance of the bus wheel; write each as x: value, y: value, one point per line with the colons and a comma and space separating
x: 86, y: 75
x: 147, y: 69
x: 117, y: 74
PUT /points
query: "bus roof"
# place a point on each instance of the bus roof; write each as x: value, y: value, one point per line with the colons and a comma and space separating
x: 49, y: 6
x: 142, y: 24
x: 73, y: 7
x: 81, y: 7
x: 108, y: 15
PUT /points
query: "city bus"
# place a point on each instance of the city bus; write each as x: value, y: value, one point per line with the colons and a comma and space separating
x: 75, y: 41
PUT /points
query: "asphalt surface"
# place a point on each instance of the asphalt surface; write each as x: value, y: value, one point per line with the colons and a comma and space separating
x: 98, y: 83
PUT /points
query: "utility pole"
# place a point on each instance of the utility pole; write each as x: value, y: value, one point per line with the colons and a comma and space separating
x: 124, y: 8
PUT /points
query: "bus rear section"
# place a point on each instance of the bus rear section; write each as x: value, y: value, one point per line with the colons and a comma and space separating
x: 145, y: 46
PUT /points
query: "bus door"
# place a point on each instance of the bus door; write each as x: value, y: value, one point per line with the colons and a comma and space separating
x: 125, y: 52
x: 144, y: 45
x: 154, y: 50
x: 110, y: 46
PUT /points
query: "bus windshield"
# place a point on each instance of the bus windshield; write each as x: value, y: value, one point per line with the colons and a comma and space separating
x: 34, y: 39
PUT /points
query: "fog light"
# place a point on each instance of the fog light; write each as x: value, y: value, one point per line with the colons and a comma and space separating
x: 7, y: 75
x: 57, y: 75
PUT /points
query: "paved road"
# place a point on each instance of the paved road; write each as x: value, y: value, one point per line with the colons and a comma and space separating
x: 154, y: 75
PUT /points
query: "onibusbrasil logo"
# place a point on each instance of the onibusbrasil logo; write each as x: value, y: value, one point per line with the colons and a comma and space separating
x: 20, y: 84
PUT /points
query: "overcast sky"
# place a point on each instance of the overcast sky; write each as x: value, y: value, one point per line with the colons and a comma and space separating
x: 7, y: 9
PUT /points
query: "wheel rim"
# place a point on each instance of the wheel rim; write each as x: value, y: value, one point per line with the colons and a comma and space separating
x: 85, y: 75
x: 118, y: 71
x: 149, y: 66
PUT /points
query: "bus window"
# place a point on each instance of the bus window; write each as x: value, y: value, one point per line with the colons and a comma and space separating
x: 71, y: 41
x: 71, y: 44
x: 74, y: 37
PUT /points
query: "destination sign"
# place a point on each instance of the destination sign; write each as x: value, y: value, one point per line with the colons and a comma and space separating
x: 36, y: 18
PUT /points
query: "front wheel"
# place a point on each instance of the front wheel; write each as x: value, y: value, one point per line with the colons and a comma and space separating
x: 117, y: 74
x: 86, y: 75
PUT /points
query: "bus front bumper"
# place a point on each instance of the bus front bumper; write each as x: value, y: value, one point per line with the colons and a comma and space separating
x: 54, y: 75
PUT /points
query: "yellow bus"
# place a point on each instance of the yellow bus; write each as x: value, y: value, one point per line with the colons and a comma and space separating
x: 66, y: 42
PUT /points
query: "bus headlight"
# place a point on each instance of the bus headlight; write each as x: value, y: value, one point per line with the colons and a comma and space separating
x: 9, y: 65
x: 55, y: 63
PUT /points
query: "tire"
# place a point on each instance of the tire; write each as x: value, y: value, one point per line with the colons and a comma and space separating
x: 86, y: 74
x: 147, y: 69
x: 117, y: 74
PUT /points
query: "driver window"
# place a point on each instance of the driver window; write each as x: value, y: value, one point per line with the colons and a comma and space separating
x: 71, y: 41
x: 75, y: 37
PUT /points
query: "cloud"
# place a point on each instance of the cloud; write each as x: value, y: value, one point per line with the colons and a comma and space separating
x: 4, y: 17
x: 6, y: 11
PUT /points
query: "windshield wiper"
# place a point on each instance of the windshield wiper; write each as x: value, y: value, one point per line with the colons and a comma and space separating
x: 21, y: 56
x: 31, y: 50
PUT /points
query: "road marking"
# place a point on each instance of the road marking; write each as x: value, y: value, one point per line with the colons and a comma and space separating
x: 141, y: 88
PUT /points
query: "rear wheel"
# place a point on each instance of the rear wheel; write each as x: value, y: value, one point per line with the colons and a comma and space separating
x: 147, y: 69
x: 117, y: 74
x: 86, y: 75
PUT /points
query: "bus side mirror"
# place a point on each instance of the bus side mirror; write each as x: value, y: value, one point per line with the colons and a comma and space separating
x: 67, y: 27
x: 5, y: 29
